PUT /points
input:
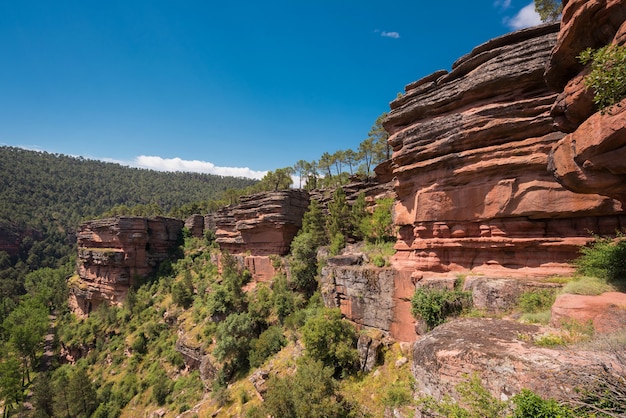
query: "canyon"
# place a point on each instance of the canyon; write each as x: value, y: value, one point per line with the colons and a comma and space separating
x: 502, y: 168
x: 478, y: 175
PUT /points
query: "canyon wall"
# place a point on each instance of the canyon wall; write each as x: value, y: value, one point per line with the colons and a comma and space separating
x: 114, y: 253
x: 470, y: 161
x: 591, y: 158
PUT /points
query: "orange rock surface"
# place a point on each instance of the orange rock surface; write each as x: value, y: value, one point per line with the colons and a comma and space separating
x: 470, y: 159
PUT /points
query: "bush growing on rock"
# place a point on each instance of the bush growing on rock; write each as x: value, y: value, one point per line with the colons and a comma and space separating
x: 607, y: 78
x: 433, y: 306
x: 605, y: 258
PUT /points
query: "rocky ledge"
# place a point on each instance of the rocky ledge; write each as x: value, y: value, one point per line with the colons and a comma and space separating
x: 262, y: 224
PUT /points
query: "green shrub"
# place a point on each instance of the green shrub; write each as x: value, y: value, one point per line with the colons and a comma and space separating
x: 542, y: 317
x: 433, y: 306
x: 337, y: 243
x: 161, y: 390
x: 330, y: 339
x: 530, y: 405
x: 303, y: 262
x: 379, y: 261
x: 398, y: 394
x: 584, y: 285
x: 608, y: 74
x: 605, y: 258
x: 311, y: 392
x: 379, y: 226
x: 537, y: 300
x: 478, y: 399
x: 269, y: 343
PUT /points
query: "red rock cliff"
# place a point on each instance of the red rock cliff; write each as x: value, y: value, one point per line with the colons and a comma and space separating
x: 470, y: 158
x: 592, y: 157
x: 262, y: 224
x: 114, y: 252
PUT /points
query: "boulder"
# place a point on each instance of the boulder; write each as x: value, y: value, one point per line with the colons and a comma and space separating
x: 500, y: 352
x: 369, y: 351
x: 607, y: 312
x: 590, y: 159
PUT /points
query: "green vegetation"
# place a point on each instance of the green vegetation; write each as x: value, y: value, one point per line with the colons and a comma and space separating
x: 605, y: 259
x: 332, y: 340
x: 535, y: 305
x: 607, y: 78
x: 585, y: 285
x: 310, y: 393
x: 476, y: 402
x: 434, y: 306
x: 549, y: 10
x: 44, y: 197
x: 529, y: 404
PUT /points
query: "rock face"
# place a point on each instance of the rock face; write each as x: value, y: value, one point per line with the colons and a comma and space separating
x: 258, y: 227
x: 607, y: 312
x: 500, y: 353
x: 592, y: 157
x: 114, y: 252
x: 262, y: 224
x: 470, y: 158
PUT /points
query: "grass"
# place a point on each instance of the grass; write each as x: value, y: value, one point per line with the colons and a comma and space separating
x: 571, y: 332
x: 379, y: 253
x: 586, y: 285
x: 542, y: 317
x: 387, y: 386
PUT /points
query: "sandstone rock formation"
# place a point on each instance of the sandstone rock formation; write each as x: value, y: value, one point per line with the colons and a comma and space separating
x: 606, y: 312
x: 262, y: 224
x: 470, y: 158
x: 591, y: 158
x: 114, y: 252
x: 502, y: 354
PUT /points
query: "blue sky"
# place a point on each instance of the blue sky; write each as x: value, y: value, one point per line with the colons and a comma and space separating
x: 232, y: 88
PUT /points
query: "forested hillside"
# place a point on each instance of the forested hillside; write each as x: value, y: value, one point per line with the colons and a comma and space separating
x: 43, y: 198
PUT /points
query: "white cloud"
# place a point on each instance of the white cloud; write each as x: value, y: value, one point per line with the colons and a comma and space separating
x: 194, y: 166
x: 525, y: 18
x: 394, y: 35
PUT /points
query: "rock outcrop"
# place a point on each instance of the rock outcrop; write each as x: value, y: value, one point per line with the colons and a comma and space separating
x: 592, y: 157
x: 262, y: 224
x: 501, y: 353
x: 115, y: 252
x: 606, y: 312
x: 470, y: 158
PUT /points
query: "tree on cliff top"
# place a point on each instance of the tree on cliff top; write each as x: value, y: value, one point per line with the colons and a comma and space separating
x: 548, y: 10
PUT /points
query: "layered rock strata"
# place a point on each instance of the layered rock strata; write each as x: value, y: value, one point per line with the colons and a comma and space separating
x: 592, y: 157
x: 261, y: 224
x: 470, y: 158
x: 115, y: 252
